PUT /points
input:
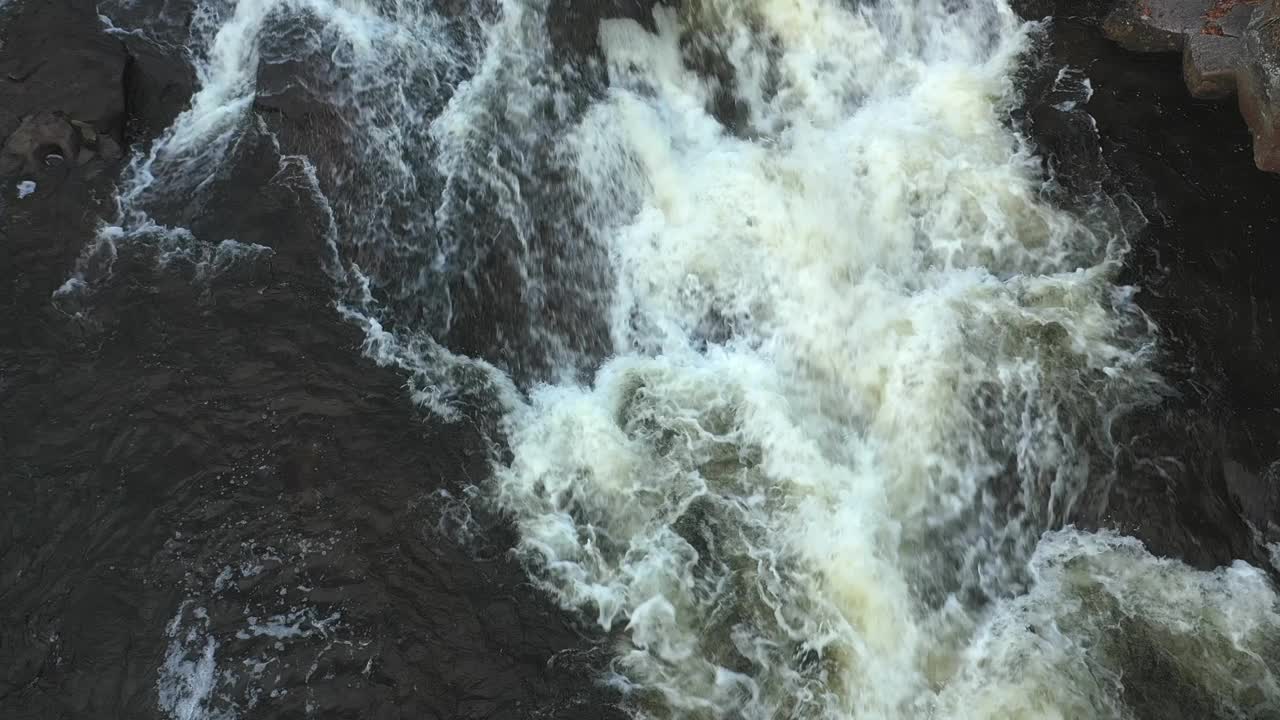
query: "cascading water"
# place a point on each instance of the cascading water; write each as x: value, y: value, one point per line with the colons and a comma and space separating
x: 798, y: 396
x: 861, y: 366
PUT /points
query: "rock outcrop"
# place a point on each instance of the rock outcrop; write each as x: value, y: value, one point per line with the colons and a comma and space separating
x: 62, y: 93
x: 1228, y: 47
x: 1260, y: 86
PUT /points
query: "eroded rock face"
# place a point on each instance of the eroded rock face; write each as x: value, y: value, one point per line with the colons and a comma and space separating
x: 1227, y: 46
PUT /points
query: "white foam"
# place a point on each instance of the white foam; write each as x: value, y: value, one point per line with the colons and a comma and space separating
x: 188, y: 677
x: 1073, y: 86
x: 369, y: 46
x: 25, y: 188
x: 297, y: 623
x: 218, y: 669
x: 855, y: 354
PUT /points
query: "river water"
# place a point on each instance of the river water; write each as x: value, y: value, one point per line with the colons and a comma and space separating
x: 794, y: 373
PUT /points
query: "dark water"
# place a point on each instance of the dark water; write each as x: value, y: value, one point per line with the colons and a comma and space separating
x: 192, y: 460
x: 1205, y: 263
x: 214, y: 506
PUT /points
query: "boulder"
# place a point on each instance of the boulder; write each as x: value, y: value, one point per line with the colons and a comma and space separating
x: 1155, y: 25
x: 1210, y: 64
x: 158, y: 86
x: 41, y: 140
x: 1228, y: 47
x: 1260, y: 85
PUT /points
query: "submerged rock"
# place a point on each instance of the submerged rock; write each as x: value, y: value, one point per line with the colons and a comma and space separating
x: 41, y: 140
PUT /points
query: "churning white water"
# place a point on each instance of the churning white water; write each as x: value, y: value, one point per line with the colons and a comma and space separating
x: 858, y: 372
x: 860, y: 366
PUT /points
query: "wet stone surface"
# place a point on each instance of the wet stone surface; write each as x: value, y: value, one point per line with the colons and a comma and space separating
x: 1227, y: 46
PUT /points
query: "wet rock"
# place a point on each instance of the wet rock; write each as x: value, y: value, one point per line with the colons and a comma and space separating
x: 1260, y: 85
x: 280, y: 89
x: 41, y: 140
x: 1155, y: 25
x: 1227, y: 46
x: 158, y: 85
x: 49, y: 139
x: 55, y: 57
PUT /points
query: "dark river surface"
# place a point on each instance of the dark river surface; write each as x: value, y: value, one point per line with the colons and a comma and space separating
x: 231, y: 486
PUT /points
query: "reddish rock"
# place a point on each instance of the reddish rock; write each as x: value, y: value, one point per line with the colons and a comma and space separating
x: 1155, y: 25
x: 1228, y: 47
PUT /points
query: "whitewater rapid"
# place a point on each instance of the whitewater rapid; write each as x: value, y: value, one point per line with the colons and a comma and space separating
x: 796, y: 399
x: 863, y: 373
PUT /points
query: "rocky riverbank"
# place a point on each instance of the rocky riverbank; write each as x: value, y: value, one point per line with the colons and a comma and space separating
x: 1229, y: 47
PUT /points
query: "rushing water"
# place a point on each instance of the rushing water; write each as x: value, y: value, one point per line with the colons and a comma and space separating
x: 798, y: 375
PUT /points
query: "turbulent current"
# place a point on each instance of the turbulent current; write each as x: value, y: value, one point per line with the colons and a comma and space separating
x: 798, y: 376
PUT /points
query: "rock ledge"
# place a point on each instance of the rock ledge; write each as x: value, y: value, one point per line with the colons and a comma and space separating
x: 1228, y: 47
